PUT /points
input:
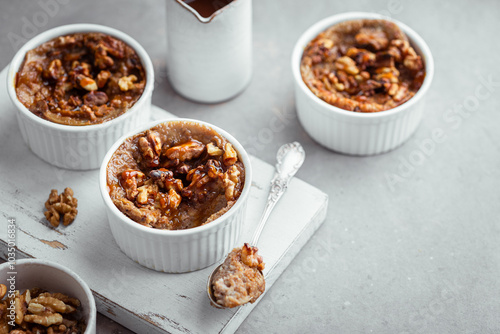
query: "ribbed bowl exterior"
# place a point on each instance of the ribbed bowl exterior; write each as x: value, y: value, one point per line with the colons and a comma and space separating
x: 356, y: 136
x: 356, y: 133
x: 173, y: 253
x: 78, y: 150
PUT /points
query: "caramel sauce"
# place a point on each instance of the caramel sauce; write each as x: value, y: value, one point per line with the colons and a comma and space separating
x: 207, y: 8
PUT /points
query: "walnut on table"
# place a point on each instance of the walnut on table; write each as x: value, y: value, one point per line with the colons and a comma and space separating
x: 61, y: 205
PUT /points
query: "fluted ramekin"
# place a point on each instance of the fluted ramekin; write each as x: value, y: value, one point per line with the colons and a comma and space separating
x: 53, y: 277
x: 177, y: 251
x: 351, y: 132
x: 78, y: 147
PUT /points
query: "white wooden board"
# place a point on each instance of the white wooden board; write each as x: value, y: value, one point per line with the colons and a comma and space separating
x: 141, y: 299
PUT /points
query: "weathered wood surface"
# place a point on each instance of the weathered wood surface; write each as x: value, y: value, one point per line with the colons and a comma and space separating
x: 141, y: 299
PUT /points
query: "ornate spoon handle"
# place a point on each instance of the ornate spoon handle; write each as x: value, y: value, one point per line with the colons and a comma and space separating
x: 290, y: 157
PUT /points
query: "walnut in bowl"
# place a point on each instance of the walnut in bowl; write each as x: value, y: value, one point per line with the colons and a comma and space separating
x: 176, y: 193
x: 47, y: 298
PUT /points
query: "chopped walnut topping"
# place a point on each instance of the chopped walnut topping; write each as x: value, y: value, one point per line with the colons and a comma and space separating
x: 102, y: 60
x: 327, y: 43
x: 174, y: 199
x: 187, y: 151
x: 88, y: 83
x: 127, y: 83
x: 370, y: 66
x: 230, y: 155
x: 56, y: 77
x: 61, y: 205
x: 346, y: 64
x: 142, y: 196
x: 55, y: 70
x: 164, y: 178
x: 150, y: 147
x: 130, y: 180
x: 214, y: 150
x: 102, y: 78
x: 230, y: 179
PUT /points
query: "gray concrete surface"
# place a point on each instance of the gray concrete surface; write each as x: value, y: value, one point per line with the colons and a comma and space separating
x: 420, y: 254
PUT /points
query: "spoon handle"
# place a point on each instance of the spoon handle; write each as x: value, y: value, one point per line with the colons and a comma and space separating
x: 290, y: 157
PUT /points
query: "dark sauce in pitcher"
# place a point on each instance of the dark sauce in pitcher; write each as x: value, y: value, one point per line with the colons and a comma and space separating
x: 207, y: 7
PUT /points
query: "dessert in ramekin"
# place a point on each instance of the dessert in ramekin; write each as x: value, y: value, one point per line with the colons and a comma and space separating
x: 77, y: 89
x: 334, y: 110
x: 60, y: 299
x: 175, y: 193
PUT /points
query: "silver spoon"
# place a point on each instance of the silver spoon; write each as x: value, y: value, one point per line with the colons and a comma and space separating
x: 289, y: 159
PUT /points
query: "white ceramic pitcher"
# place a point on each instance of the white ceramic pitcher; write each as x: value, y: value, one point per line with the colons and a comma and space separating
x: 209, y: 59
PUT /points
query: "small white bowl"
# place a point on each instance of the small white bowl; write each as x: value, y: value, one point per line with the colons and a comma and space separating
x: 177, y: 251
x: 78, y: 147
x: 53, y: 277
x: 351, y: 132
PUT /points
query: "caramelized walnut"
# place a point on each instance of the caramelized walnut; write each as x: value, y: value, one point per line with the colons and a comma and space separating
x: 230, y: 179
x: 150, y: 147
x: 187, y: 151
x: 250, y: 257
x: 165, y: 179
x: 213, y: 150
x: 230, y: 155
x: 130, y: 180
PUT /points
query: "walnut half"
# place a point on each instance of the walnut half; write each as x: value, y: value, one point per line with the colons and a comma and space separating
x: 63, y: 205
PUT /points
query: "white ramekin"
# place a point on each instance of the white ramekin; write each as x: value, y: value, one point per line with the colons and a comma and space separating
x: 78, y: 147
x: 181, y: 250
x: 53, y: 277
x: 352, y: 132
